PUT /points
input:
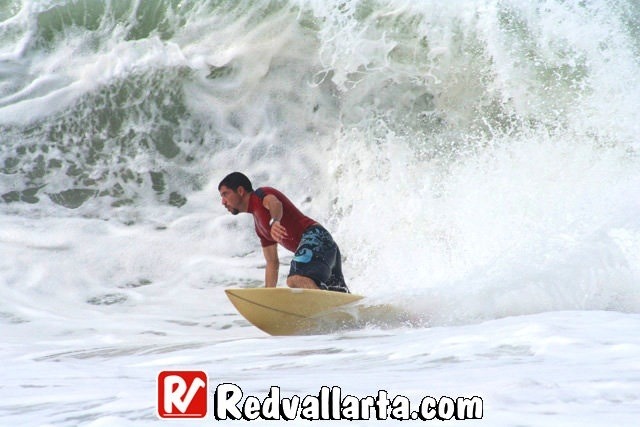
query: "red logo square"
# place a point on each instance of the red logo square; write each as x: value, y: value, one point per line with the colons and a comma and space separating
x: 182, y: 394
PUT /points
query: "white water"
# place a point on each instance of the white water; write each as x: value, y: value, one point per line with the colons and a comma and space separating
x: 476, y: 162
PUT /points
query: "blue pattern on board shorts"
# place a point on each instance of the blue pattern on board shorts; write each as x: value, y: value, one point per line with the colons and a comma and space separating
x: 318, y: 258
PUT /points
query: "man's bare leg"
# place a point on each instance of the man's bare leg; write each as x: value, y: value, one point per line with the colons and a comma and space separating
x: 303, y: 282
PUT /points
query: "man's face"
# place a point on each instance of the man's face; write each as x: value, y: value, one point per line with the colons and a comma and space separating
x: 231, y: 200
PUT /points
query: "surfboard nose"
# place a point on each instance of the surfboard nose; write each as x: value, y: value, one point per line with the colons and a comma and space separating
x: 289, y: 311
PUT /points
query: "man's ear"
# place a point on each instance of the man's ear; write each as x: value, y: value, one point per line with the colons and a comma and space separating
x: 241, y: 191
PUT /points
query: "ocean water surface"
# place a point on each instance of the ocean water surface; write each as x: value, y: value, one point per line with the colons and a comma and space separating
x: 476, y: 161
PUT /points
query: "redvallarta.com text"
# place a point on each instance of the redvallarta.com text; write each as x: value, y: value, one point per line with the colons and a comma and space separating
x: 184, y: 394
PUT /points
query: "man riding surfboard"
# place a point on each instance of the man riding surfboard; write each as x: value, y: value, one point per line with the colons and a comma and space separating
x: 317, y: 262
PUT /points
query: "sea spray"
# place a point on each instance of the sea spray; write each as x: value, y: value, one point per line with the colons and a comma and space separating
x: 481, y: 156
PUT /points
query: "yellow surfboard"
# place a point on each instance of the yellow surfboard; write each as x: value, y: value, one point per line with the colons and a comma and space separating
x: 286, y: 311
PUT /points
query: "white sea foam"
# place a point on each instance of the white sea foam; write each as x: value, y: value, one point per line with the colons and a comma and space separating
x: 476, y: 162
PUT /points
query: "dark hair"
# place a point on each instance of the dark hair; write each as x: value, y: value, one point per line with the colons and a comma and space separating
x: 235, y: 180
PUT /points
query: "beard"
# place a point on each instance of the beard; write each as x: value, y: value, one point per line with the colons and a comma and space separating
x: 235, y: 211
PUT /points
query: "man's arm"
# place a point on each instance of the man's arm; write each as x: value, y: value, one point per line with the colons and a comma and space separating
x: 271, y: 202
x: 273, y: 264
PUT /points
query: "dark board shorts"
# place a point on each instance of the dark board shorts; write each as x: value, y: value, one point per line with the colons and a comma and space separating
x: 318, y: 258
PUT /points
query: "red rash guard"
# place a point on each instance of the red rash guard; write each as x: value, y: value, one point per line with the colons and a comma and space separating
x: 292, y: 219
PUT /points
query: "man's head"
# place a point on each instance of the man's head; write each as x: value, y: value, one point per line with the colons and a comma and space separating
x: 235, y: 190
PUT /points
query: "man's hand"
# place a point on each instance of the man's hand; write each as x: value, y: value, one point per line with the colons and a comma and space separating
x: 278, y: 232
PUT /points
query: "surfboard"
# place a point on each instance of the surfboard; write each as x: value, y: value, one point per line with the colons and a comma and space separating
x: 287, y: 311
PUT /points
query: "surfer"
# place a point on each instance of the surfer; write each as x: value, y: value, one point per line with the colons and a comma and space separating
x: 316, y: 263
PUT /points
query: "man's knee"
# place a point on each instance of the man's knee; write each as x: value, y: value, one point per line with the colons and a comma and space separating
x: 297, y: 281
